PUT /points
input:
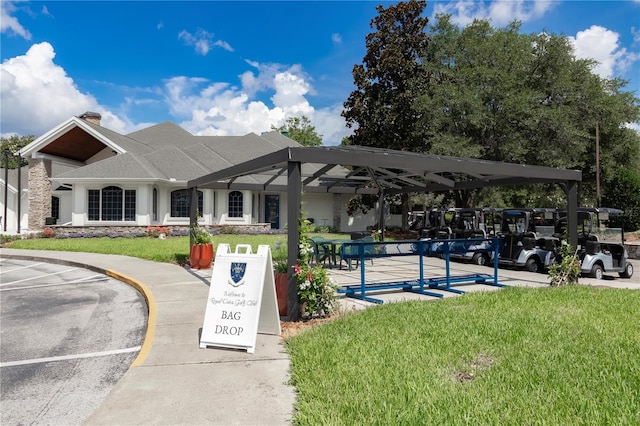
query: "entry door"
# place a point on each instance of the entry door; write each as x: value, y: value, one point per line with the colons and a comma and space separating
x: 272, y: 210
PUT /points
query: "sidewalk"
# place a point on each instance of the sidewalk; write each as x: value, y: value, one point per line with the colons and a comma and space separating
x: 175, y: 382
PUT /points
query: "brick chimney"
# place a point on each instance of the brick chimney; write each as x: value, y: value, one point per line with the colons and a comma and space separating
x: 91, y: 117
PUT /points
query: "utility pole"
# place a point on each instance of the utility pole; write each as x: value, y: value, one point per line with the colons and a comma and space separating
x: 597, y: 164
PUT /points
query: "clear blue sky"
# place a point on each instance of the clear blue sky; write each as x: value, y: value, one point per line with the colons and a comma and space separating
x: 233, y: 67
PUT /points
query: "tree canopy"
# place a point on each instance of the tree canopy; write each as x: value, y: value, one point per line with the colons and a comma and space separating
x: 381, y: 109
x: 300, y: 130
x: 495, y: 94
x: 11, y: 146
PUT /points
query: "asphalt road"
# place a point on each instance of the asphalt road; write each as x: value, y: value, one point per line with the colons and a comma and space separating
x: 67, y: 336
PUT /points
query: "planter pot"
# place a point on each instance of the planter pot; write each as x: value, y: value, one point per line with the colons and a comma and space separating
x: 201, y: 256
x: 282, y: 287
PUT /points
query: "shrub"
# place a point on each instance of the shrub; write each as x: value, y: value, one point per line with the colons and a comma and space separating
x: 315, y: 289
x: 567, y: 271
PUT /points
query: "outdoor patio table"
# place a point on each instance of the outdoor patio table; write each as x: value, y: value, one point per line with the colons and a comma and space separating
x: 335, y: 247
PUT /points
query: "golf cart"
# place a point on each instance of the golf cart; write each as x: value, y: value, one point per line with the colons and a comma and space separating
x: 472, y: 224
x: 602, y: 248
x: 436, y: 224
x: 529, y: 240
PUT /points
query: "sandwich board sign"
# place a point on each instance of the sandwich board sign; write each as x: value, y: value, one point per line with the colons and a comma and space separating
x: 242, y: 299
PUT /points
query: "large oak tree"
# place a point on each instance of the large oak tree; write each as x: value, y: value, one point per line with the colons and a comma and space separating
x: 381, y: 109
x: 490, y: 93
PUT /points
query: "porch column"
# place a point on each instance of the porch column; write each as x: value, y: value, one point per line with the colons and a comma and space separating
x: 193, y: 211
x: 294, y: 196
x: 19, y: 199
x: 39, y: 192
x: 571, y: 189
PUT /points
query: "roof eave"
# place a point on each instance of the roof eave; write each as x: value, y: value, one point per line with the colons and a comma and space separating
x: 63, y: 128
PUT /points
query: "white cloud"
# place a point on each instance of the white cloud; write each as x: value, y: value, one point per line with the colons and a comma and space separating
x: 27, y: 81
x: 336, y: 38
x: 603, y: 45
x: 222, y: 109
x: 290, y: 91
x: 41, y: 95
x: 10, y: 23
x: 203, y: 41
x: 195, y: 103
x: 226, y: 46
x: 500, y: 12
x: 330, y: 124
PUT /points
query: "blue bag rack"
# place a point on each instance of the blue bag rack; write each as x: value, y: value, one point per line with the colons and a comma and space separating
x: 442, y: 248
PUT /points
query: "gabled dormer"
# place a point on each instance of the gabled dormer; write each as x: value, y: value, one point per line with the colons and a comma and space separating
x: 76, y: 141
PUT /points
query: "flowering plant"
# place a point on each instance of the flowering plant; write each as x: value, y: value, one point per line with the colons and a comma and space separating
x: 316, y: 291
x: 48, y: 233
x: 158, y: 231
x: 377, y: 235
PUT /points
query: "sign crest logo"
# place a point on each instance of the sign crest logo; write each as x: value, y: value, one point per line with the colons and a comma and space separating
x: 237, y: 271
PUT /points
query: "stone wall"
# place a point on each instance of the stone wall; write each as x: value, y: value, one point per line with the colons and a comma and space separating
x: 136, y: 231
x: 39, y: 193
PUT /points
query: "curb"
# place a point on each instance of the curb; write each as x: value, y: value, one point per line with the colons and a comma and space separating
x: 139, y: 286
x: 152, y: 314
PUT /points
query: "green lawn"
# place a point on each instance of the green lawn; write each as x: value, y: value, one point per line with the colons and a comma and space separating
x: 551, y: 356
x: 172, y: 249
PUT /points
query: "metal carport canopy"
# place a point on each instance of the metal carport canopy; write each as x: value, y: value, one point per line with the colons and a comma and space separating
x: 368, y: 170
x: 373, y: 168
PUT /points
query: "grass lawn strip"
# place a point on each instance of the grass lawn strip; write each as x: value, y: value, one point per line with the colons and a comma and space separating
x: 518, y: 356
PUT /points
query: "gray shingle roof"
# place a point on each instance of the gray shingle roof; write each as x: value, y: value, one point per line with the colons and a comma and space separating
x: 278, y: 140
x: 127, y: 143
x: 163, y: 135
x: 175, y: 163
x: 125, y: 166
x: 166, y: 151
x: 240, y: 148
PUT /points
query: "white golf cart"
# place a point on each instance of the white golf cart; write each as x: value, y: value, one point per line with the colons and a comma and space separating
x: 474, y: 225
x: 602, y: 248
x: 529, y: 242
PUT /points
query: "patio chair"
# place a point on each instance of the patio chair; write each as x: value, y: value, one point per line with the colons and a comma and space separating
x: 321, y: 250
x: 349, y: 252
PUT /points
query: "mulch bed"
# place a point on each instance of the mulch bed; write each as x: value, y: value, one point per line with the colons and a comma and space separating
x: 401, y: 235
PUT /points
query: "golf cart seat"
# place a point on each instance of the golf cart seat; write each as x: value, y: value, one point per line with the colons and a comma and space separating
x: 592, y: 247
x: 548, y: 244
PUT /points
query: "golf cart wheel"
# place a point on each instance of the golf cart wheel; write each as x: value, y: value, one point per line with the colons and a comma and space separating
x: 479, y: 259
x: 628, y: 271
x: 532, y: 265
x: 597, y: 272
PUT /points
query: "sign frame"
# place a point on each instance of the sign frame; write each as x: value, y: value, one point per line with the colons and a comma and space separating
x: 242, y: 299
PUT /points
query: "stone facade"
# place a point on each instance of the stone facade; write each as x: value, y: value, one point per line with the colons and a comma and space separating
x: 39, y: 193
x: 136, y: 231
